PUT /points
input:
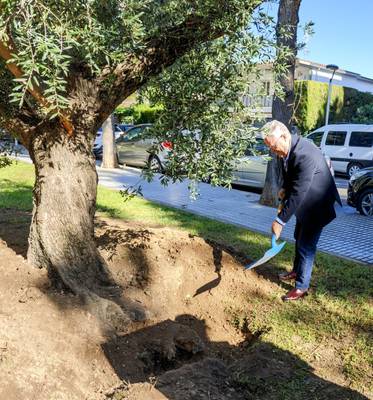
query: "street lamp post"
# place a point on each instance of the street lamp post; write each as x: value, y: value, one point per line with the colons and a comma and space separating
x: 333, y: 68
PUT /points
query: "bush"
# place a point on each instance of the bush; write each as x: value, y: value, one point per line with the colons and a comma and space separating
x: 310, y: 104
x: 346, y: 105
x: 138, y: 114
x: 364, y: 114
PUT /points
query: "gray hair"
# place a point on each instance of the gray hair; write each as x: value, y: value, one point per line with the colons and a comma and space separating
x: 275, y: 129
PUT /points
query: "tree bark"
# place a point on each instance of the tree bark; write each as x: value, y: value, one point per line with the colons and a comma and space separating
x: 62, y: 230
x: 109, y: 154
x: 282, y: 109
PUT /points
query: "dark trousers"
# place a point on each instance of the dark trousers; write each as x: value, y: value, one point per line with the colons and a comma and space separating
x: 305, y: 249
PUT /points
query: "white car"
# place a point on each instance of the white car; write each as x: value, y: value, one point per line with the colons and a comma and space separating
x: 349, y: 146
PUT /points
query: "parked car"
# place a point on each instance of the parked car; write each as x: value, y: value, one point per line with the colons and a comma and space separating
x: 251, y: 169
x: 134, y: 149
x: 119, y: 130
x: 360, y: 191
x: 350, y: 146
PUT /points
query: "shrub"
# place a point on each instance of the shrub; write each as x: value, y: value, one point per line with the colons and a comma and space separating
x: 138, y: 114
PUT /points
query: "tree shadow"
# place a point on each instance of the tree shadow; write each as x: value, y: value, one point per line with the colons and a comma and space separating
x: 185, y: 365
x: 14, y: 229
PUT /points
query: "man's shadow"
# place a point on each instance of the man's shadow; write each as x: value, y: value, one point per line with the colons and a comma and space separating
x: 185, y: 365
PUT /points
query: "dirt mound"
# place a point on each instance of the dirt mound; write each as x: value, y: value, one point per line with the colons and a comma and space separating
x: 179, y: 342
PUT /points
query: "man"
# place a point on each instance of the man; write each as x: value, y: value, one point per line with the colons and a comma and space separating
x: 308, y: 192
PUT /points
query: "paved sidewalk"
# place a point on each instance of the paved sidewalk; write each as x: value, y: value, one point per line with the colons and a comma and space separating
x: 350, y: 235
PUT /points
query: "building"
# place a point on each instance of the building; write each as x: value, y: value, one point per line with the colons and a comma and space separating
x: 310, y: 71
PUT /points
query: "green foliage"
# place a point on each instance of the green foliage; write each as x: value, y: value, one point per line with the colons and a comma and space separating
x: 138, y: 114
x: 51, y: 36
x: 204, y: 116
x: 201, y: 93
x: 364, y: 114
x: 347, y: 105
x: 310, y: 104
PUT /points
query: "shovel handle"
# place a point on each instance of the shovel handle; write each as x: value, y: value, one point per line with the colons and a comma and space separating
x: 274, y: 243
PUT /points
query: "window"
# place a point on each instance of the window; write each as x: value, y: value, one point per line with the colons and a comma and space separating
x: 266, y: 88
x: 316, y: 138
x: 336, y: 138
x: 361, y: 139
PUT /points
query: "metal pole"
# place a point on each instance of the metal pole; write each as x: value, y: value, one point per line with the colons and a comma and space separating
x: 328, y: 102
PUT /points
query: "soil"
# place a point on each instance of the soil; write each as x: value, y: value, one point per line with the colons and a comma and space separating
x: 179, y: 342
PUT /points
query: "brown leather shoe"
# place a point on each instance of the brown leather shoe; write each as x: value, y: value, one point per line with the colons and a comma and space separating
x: 287, y: 276
x: 294, y: 294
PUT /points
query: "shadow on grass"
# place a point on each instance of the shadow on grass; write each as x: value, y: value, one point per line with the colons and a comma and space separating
x: 186, y: 365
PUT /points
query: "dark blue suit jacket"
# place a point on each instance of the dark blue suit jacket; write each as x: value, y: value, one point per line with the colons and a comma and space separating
x: 309, y: 185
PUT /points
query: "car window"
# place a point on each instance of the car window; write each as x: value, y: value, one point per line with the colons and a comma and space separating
x: 316, y: 137
x: 361, y: 139
x: 134, y: 133
x: 335, y: 138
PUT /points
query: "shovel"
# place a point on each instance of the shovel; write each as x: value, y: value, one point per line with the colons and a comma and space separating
x: 273, y: 251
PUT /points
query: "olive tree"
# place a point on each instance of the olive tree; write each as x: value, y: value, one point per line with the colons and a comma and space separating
x: 66, y: 65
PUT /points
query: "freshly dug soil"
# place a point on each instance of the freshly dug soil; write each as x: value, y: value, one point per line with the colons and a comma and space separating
x: 179, y: 342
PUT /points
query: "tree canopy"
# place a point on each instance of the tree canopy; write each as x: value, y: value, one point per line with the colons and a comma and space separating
x: 66, y: 59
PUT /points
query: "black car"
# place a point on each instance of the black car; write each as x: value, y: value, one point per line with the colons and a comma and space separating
x: 360, y: 191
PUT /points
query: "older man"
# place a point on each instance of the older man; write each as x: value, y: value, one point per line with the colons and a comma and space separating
x: 308, y: 192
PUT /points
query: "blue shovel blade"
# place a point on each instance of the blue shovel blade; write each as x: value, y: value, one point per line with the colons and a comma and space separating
x: 273, y: 251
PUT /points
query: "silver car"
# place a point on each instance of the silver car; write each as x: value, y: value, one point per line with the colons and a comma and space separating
x: 134, y: 149
x: 250, y: 170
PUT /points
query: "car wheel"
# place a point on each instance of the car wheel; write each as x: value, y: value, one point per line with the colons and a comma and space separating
x: 154, y: 164
x: 365, y: 203
x: 353, y: 168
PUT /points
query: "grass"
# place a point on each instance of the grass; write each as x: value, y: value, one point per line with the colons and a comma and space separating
x: 336, y: 319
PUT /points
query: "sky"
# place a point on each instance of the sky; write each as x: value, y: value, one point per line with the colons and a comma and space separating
x: 343, y: 33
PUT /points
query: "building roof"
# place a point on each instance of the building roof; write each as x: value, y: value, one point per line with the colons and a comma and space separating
x: 340, y: 71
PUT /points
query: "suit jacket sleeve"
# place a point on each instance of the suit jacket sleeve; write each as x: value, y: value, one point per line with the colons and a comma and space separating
x: 304, y: 170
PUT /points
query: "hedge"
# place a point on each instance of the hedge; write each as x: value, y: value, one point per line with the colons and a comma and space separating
x: 346, y: 105
x: 138, y: 114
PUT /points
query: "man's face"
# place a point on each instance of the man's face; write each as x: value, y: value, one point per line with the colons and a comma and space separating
x: 278, y: 144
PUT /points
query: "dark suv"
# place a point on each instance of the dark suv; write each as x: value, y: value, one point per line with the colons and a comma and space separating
x: 360, y: 191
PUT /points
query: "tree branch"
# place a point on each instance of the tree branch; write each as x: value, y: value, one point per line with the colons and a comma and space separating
x: 6, y: 54
x: 160, y: 52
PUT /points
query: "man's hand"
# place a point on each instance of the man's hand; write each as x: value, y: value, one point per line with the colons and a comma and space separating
x: 281, y: 194
x: 276, y: 229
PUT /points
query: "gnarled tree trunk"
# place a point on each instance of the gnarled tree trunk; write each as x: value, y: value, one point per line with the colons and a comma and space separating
x: 62, y: 231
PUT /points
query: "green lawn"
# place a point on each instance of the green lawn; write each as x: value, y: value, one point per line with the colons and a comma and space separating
x: 337, y: 315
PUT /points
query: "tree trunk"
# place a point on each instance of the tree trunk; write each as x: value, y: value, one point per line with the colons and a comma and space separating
x: 273, y: 182
x: 109, y: 154
x: 288, y: 19
x: 62, y: 229
x: 282, y: 109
